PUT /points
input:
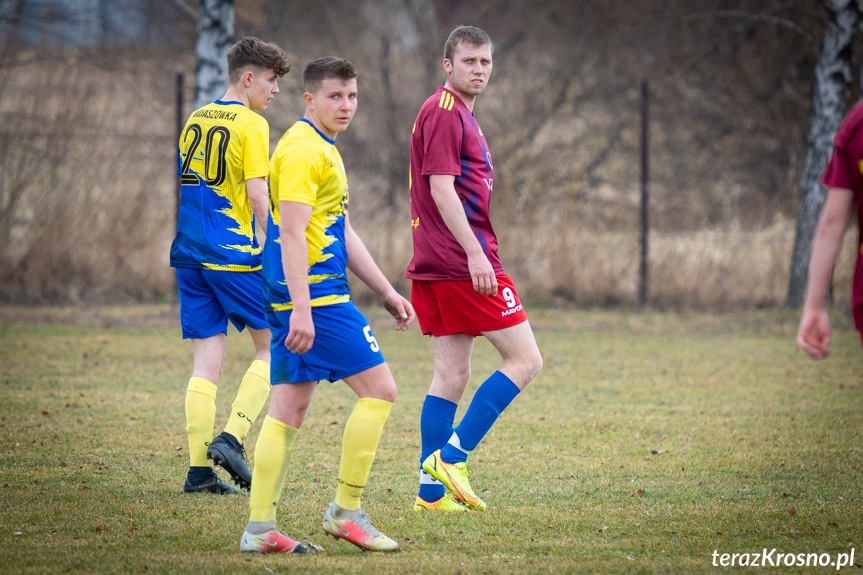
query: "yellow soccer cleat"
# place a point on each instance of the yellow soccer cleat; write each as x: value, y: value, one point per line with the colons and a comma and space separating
x: 454, y: 478
x: 353, y: 525
x: 446, y: 504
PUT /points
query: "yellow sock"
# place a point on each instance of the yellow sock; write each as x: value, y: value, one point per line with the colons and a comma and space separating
x: 200, y: 417
x: 362, y: 434
x: 251, y: 397
x: 272, y: 454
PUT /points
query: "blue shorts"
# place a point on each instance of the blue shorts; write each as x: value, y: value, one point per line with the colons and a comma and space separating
x: 344, y: 345
x: 209, y: 298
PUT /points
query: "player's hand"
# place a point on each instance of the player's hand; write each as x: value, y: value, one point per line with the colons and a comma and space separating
x: 482, y: 274
x: 814, y: 334
x: 301, y: 334
x: 401, y: 309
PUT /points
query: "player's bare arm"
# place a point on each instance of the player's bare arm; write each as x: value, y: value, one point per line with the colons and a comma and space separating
x: 814, y: 334
x: 295, y: 262
x: 259, y: 199
x: 361, y: 263
x: 450, y: 207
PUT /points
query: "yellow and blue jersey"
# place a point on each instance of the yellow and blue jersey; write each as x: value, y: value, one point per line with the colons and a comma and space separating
x: 306, y: 167
x: 222, y: 145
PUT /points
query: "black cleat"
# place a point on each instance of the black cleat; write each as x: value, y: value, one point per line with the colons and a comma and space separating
x: 211, y: 484
x: 229, y: 453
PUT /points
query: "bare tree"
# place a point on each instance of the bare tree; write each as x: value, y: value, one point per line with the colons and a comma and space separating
x: 732, y: 83
x: 215, y: 35
x: 832, y: 85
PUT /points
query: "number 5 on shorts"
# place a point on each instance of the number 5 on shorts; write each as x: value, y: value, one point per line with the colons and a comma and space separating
x: 373, y: 343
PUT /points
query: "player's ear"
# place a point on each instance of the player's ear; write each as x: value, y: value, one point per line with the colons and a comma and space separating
x: 447, y: 65
x: 246, y: 78
x: 309, y: 98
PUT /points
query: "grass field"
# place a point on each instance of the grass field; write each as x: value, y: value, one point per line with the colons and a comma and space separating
x: 649, y: 441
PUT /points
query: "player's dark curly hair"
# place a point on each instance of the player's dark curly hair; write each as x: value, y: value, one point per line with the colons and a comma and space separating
x: 251, y: 51
x: 468, y: 35
x: 319, y: 70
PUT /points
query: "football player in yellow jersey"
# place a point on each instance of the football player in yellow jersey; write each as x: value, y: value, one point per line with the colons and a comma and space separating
x: 318, y: 333
x: 223, y: 162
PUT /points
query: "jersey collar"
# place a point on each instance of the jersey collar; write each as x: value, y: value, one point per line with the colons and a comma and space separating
x: 306, y: 120
x: 223, y: 103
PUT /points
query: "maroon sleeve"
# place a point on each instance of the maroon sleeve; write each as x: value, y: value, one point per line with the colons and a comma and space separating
x: 837, y: 174
x: 840, y: 170
x: 442, y: 143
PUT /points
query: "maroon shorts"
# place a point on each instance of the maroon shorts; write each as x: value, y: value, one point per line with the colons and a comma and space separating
x: 452, y: 307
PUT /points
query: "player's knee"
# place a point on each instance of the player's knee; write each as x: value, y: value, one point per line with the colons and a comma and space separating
x: 384, y: 392
x: 391, y: 391
x: 536, y: 365
x: 531, y: 364
x: 385, y: 388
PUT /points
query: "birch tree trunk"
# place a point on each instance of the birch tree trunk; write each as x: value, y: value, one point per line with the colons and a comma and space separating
x: 215, y: 38
x: 832, y: 83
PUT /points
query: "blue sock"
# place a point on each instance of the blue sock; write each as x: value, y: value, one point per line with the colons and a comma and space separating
x: 489, y: 401
x: 436, y: 422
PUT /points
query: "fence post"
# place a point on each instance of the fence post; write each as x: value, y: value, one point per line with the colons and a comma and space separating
x: 175, y: 295
x: 180, y: 123
x: 643, y: 272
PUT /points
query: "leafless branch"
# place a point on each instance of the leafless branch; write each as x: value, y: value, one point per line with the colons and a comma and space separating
x: 186, y: 9
x: 750, y: 18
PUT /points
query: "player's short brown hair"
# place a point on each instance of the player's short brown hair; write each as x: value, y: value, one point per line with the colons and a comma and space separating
x: 251, y: 51
x: 319, y: 70
x: 468, y: 35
